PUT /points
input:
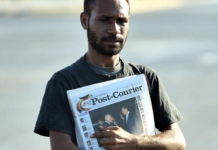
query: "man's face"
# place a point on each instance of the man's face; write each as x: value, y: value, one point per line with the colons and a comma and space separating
x: 100, y: 122
x: 112, y: 119
x: 86, y: 134
x: 143, y: 117
x: 108, y: 26
x: 108, y: 118
x: 124, y: 111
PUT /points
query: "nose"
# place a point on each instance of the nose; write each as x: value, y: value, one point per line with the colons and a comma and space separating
x: 114, y: 29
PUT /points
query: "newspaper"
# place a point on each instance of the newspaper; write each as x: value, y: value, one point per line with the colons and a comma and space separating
x: 122, y: 102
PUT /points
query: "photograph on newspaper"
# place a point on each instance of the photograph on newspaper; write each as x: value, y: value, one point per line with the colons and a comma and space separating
x: 124, y: 114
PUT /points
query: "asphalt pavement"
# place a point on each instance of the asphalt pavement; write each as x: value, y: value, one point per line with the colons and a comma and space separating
x: 180, y: 44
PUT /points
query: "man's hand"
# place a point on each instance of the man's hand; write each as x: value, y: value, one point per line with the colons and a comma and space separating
x: 171, y: 138
x: 116, y: 138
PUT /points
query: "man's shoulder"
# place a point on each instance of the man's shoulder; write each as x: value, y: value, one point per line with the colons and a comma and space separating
x: 69, y: 70
x: 104, y: 123
x: 131, y: 114
x: 68, y: 74
x: 142, y: 69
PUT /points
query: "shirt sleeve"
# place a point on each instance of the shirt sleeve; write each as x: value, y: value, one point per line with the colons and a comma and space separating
x: 165, y: 113
x: 55, y: 113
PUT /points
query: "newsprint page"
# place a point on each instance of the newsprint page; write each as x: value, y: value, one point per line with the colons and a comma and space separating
x: 122, y: 102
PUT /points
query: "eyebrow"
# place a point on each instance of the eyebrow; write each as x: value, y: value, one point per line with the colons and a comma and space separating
x: 104, y: 16
x: 110, y: 17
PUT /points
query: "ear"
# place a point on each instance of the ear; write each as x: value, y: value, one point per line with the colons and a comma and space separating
x: 84, y: 20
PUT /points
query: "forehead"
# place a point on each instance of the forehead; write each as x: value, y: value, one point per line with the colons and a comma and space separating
x: 111, y: 8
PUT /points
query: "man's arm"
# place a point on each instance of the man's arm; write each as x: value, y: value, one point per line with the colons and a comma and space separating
x: 170, y: 139
x: 61, y: 141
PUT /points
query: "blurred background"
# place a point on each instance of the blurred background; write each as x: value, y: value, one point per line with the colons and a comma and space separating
x: 177, y: 38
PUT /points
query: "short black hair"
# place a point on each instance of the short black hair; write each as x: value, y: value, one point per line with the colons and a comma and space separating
x: 125, y: 107
x: 88, y: 6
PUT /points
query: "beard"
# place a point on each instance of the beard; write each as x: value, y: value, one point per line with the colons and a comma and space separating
x: 98, y: 44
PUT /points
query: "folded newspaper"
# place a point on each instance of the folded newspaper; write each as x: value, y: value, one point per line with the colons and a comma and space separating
x: 121, y: 102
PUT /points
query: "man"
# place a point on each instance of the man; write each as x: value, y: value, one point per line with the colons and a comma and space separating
x: 138, y: 98
x: 143, y: 117
x: 107, y: 25
x: 86, y: 135
x: 142, y: 110
x: 108, y: 121
x: 88, y: 143
x: 82, y: 120
x: 114, y: 123
x: 84, y: 128
x: 130, y: 121
x: 100, y: 122
x: 140, y: 104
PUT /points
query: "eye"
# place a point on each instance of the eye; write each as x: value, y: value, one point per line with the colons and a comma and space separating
x: 104, y: 19
x: 122, y: 21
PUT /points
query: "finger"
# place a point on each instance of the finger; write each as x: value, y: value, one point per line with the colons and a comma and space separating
x: 103, y: 134
x: 103, y: 128
x: 113, y: 128
x: 112, y: 141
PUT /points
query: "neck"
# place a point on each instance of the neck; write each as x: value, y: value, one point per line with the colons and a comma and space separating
x: 100, y: 60
x: 127, y: 113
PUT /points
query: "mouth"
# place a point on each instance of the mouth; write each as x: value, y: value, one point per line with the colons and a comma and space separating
x: 112, y: 41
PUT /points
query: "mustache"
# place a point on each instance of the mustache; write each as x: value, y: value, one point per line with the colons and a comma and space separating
x: 118, y: 38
